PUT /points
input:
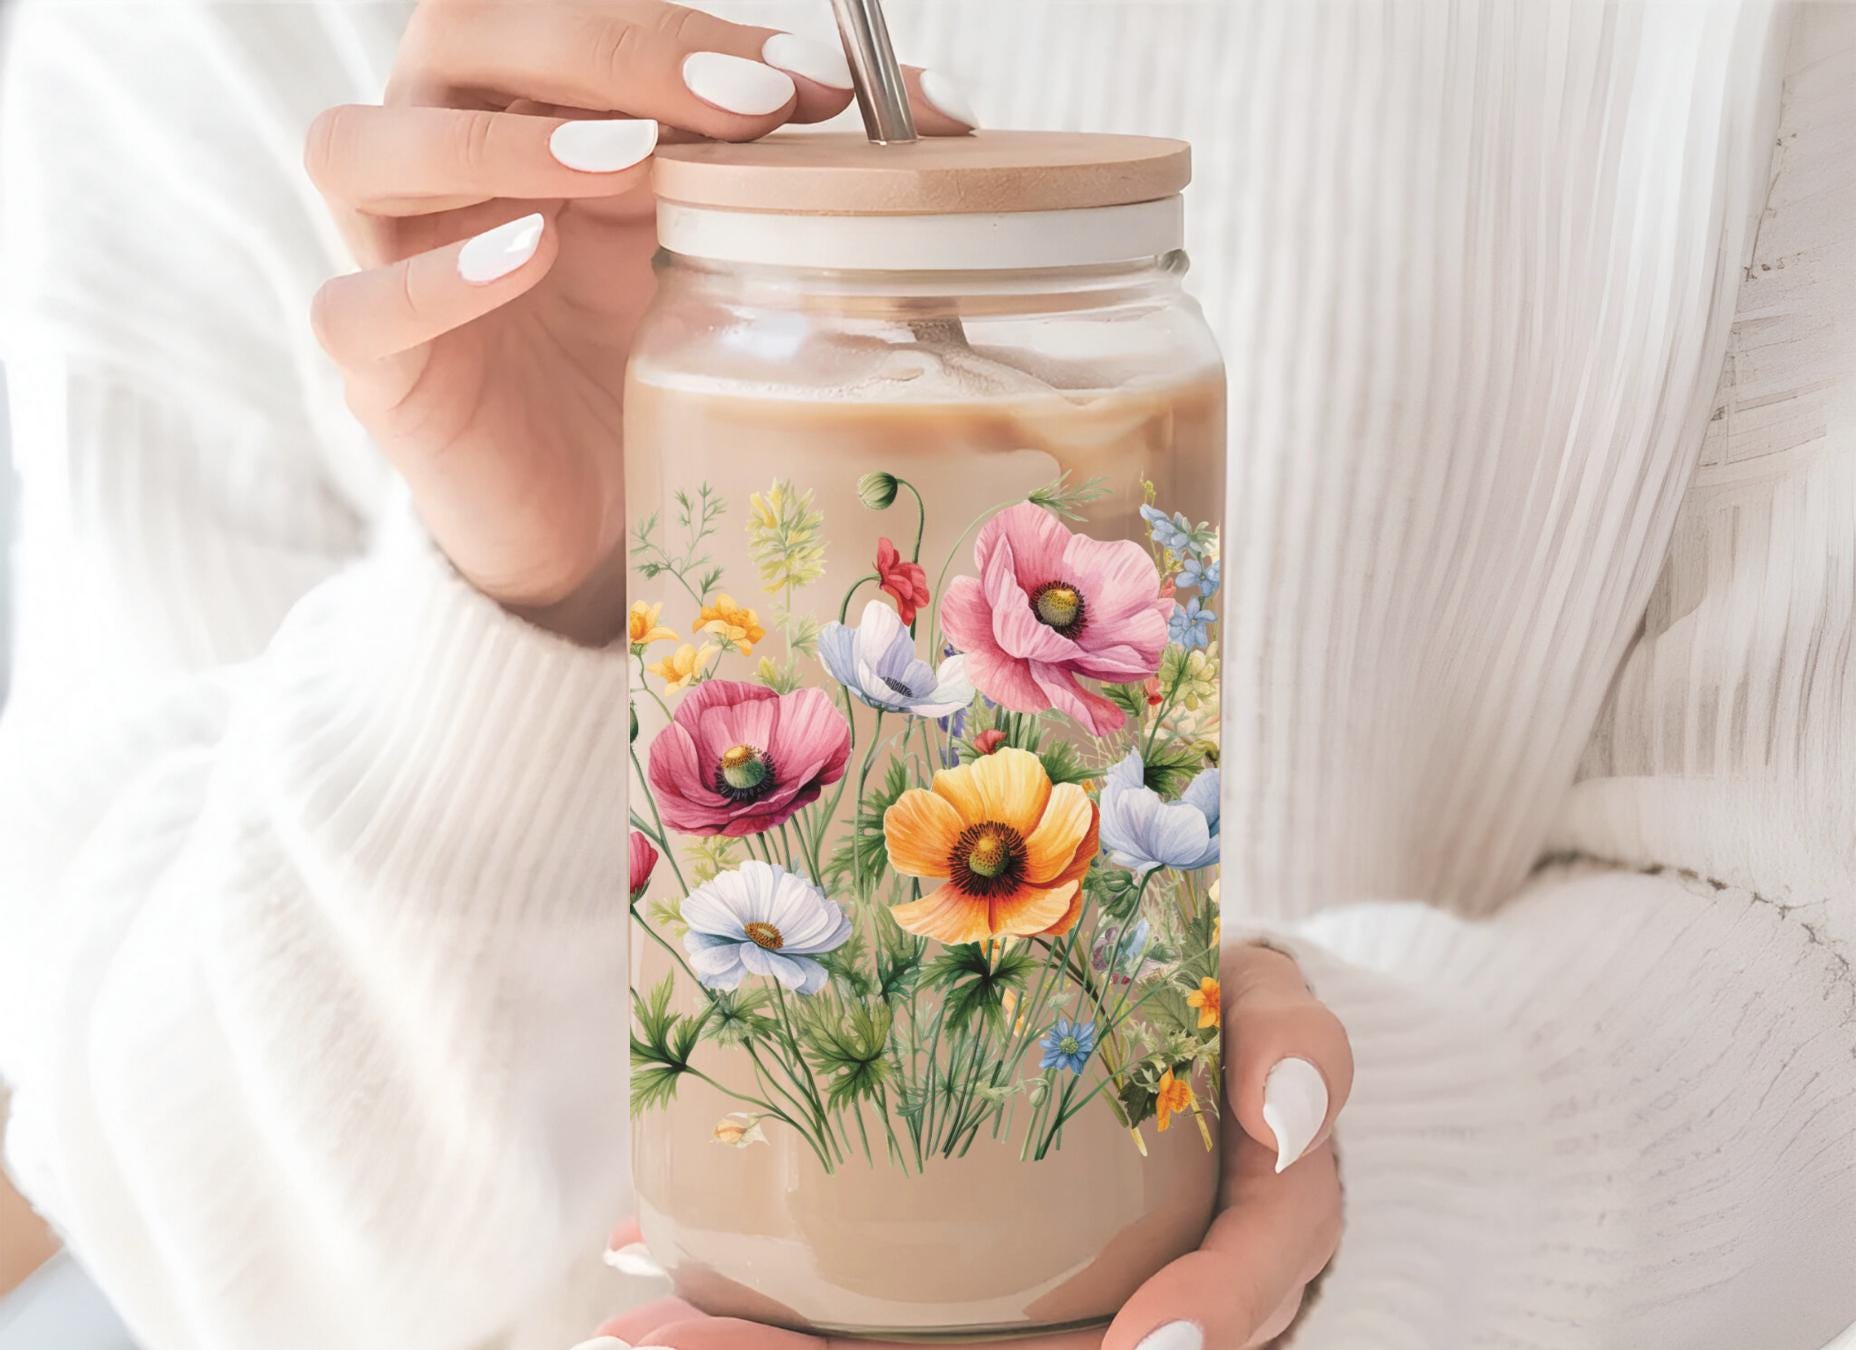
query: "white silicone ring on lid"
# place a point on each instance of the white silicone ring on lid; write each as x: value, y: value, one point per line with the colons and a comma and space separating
x: 968, y: 242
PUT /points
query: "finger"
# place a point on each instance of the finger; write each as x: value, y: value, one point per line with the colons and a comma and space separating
x: 1259, y: 1253
x: 403, y: 161
x: 645, y: 58
x: 940, y: 104
x: 1289, y: 1064
x: 636, y: 1326
x: 627, y: 1254
x: 367, y: 317
x: 819, y: 70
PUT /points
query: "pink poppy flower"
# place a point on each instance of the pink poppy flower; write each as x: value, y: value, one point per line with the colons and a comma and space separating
x: 739, y: 759
x: 1050, y: 605
x: 643, y: 860
x: 989, y: 740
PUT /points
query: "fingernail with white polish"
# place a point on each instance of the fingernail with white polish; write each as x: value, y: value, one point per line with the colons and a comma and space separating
x: 820, y: 62
x: 1173, y: 1336
x: 737, y: 85
x: 1295, y: 1103
x: 496, y: 253
x: 634, y: 1258
x: 603, y: 146
x: 948, y: 98
x: 603, y: 1343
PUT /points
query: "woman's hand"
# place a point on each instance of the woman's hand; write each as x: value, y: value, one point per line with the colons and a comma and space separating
x: 501, y: 205
x: 1288, y: 1072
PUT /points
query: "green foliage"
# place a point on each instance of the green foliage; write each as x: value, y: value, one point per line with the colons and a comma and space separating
x: 661, y: 1046
x: 783, y: 537
x: 898, y: 962
x: 1137, y: 1100
x: 1064, y: 763
x: 1130, y: 698
x: 1168, y: 768
x: 1200, y: 943
x: 709, y: 857
x: 1116, y: 893
x: 667, y: 913
x: 974, y: 984
x: 861, y: 856
x: 802, y: 633
x: 849, y: 965
x: 696, y: 516
x: 847, y: 1045
x: 739, y: 1016
x: 782, y: 679
x: 1064, y: 499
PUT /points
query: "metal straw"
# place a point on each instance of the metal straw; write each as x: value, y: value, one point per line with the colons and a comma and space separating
x: 884, y: 101
x: 881, y: 95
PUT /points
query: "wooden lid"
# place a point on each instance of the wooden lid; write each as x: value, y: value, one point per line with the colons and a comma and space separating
x: 842, y: 174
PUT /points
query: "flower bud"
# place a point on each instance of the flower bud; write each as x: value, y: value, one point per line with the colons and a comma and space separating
x: 878, y: 490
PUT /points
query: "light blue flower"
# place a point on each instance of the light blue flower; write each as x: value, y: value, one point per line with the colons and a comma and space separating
x: 1068, y: 1045
x: 1191, y: 624
x: 1171, y: 532
x: 761, y: 919
x: 876, y: 661
x: 1141, y: 831
x: 1201, y: 575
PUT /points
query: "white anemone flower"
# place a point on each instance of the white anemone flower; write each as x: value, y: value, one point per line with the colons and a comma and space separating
x: 761, y: 919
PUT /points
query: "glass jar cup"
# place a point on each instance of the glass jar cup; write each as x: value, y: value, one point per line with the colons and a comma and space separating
x: 923, y: 509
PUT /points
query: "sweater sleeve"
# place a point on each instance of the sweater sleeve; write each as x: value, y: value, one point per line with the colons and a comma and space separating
x: 312, y: 867
x: 1619, y: 1113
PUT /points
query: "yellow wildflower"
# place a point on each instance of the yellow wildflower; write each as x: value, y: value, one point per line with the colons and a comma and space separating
x: 681, y: 668
x: 1198, y: 681
x: 1175, y: 1095
x: 737, y: 625
x: 643, y: 628
x: 1206, y: 998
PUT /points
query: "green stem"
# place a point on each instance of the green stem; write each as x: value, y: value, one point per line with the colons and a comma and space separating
x: 863, y: 777
x: 921, y: 518
x: 663, y: 835
x: 792, y: 1037
x: 844, y: 610
x: 709, y: 995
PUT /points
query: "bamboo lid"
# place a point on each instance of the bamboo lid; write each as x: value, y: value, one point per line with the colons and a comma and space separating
x: 837, y: 174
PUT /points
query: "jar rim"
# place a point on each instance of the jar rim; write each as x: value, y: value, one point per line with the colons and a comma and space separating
x: 962, y: 242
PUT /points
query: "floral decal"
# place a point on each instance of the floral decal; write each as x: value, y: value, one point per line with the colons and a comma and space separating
x: 761, y: 919
x: 1050, y: 606
x: 876, y: 662
x: 1008, y: 849
x: 740, y: 758
x: 929, y: 863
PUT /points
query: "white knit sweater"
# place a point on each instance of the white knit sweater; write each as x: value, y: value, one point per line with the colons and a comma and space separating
x: 311, y: 867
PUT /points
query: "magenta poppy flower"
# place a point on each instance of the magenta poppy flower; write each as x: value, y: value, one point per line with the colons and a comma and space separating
x: 739, y: 759
x: 1050, y: 605
x: 643, y: 860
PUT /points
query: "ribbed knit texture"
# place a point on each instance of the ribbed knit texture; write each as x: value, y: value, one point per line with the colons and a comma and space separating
x: 311, y: 977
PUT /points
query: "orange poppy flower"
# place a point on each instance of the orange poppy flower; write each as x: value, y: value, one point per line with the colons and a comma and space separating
x: 1206, y: 998
x: 1175, y: 1095
x: 1009, y: 849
